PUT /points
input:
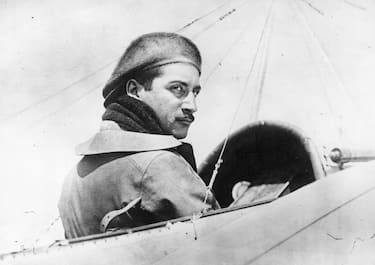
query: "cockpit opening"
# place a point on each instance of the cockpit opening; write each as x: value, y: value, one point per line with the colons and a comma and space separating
x: 260, y: 161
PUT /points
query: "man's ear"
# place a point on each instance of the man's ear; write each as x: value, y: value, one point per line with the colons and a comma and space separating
x: 133, y: 88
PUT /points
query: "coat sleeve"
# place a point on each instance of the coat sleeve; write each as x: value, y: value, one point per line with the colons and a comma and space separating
x: 170, y: 188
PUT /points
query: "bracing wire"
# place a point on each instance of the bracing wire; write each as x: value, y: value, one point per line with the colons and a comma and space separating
x: 258, y: 94
x: 221, y: 18
x: 341, y: 89
x: 220, y: 158
x: 308, y: 43
x: 60, y: 91
x: 76, y: 100
x: 202, y: 17
x: 227, y: 52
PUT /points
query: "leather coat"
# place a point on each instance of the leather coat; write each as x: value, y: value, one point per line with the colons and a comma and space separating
x: 119, y: 166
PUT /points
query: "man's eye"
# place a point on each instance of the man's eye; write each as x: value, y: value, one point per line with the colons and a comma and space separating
x: 196, y: 92
x: 178, y: 90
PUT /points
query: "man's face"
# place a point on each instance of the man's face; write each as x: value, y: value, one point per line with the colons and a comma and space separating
x: 172, y: 97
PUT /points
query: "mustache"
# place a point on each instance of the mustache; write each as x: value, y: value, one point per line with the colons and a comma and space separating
x: 186, y: 117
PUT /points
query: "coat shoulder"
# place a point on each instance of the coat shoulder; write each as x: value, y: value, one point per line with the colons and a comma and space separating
x: 161, y: 157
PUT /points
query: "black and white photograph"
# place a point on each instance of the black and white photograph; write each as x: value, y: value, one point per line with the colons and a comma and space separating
x: 187, y: 132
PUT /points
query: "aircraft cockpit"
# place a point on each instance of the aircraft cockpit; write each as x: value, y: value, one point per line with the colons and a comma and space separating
x: 261, y: 162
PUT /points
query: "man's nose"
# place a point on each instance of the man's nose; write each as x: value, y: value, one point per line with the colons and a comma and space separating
x: 189, y: 103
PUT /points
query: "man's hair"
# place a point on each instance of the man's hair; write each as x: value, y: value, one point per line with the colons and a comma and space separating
x: 145, y: 77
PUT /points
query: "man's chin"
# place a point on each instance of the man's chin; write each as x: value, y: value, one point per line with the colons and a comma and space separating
x: 180, y: 134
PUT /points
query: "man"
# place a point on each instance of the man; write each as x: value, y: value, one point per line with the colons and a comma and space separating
x: 135, y: 171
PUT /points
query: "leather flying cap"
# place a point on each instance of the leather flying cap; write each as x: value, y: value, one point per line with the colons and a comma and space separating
x: 149, y: 51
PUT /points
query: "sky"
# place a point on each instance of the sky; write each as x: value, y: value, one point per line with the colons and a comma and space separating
x: 309, y: 63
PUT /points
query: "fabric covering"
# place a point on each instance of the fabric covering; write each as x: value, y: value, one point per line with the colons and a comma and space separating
x: 106, y: 180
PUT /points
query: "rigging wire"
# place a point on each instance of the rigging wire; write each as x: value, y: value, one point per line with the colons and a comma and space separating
x: 258, y: 94
x: 309, y: 40
x: 344, y: 92
x: 221, y: 18
x: 220, y: 158
x: 60, y: 91
x: 202, y: 17
x: 357, y: 110
x: 35, y: 123
x: 227, y: 52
